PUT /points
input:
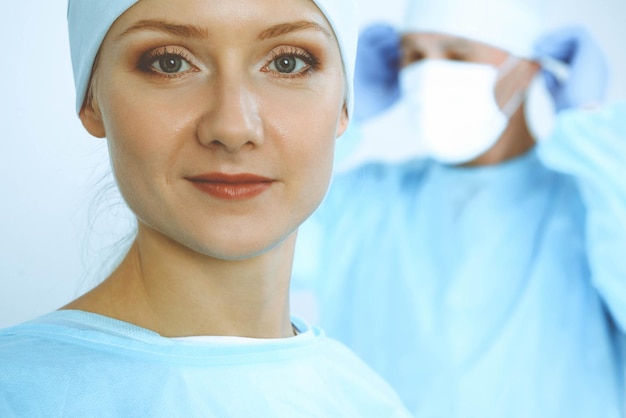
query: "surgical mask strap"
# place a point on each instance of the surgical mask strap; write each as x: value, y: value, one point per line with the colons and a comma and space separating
x: 507, y: 66
x: 514, y: 102
x: 512, y: 105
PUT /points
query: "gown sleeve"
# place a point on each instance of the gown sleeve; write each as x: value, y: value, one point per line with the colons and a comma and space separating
x: 591, y: 147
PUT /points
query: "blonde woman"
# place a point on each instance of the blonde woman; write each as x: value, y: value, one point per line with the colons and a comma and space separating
x: 221, y: 118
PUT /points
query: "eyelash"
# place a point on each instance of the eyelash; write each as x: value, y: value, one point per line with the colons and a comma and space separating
x: 148, y: 59
x: 456, y: 56
x: 312, y: 62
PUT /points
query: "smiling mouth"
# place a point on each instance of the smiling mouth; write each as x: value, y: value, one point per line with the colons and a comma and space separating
x: 231, y: 187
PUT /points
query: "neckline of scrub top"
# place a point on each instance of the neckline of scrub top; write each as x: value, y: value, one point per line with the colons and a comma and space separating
x: 519, y: 173
x: 104, y: 334
x: 502, y: 185
x: 301, y: 328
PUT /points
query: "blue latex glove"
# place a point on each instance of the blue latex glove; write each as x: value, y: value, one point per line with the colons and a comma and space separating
x: 588, y: 76
x: 376, y: 83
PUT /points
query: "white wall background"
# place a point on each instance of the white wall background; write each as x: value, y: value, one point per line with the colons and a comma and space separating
x: 50, y: 167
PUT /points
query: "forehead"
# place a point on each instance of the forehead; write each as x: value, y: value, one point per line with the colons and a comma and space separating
x: 222, y: 16
x: 442, y: 42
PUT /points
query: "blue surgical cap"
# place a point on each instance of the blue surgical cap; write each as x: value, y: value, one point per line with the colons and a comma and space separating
x: 90, y: 20
x: 511, y: 25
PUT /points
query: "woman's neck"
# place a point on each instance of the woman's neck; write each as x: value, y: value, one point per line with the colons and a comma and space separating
x: 167, y: 288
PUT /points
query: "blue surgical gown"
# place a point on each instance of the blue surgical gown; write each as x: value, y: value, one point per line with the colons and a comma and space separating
x: 485, y: 292
x: 78, y: 364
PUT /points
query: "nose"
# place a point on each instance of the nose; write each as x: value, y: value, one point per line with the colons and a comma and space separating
x: 232, y: 121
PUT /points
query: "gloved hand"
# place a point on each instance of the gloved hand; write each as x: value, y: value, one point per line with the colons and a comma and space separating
x: 376, y: 84
x: 588, y: 70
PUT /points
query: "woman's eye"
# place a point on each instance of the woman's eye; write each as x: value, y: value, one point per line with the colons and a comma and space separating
x: 411, y: 57
x: 166, y: 62
x: 288, y: 64
x: 171, y: 64
x: 457, y: 57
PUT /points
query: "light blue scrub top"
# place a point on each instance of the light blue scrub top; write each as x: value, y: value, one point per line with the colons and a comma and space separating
x: 484, y: 292
x: 78, y: 364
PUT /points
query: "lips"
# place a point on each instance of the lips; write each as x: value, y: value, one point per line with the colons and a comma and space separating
x: 231, y: 186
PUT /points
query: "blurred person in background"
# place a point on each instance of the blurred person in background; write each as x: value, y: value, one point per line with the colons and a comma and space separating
x: 488, y: 278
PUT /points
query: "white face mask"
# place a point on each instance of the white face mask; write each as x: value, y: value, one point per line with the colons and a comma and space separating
x: 452, y: 107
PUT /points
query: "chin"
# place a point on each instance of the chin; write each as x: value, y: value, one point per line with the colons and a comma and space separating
x: 238, y: 251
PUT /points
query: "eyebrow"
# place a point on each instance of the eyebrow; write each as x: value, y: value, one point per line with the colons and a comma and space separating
x: 284, y: 28
x: 196, y: 32
x: 186, y: 31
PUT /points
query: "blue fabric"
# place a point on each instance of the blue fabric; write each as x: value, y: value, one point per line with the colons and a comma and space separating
x: 77, y: 364
x: 484, y: 292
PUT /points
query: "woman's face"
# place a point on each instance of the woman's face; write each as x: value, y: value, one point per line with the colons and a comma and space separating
x: 221, y: 117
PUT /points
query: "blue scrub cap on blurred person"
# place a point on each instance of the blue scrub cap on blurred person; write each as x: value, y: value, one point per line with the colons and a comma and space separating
x: 511, y: 25
x: 90, y: 20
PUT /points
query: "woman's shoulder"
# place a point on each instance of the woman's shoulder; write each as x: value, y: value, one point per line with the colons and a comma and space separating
x: 65, y: 338
x: 66, y: 355
x: 52, y: 336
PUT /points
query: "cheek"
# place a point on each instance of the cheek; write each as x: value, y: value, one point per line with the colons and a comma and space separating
x: 312, y: 112
x: 143, y: 148
x: 128, y: 134
x: 307, y: 143
x: 149, y: 123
